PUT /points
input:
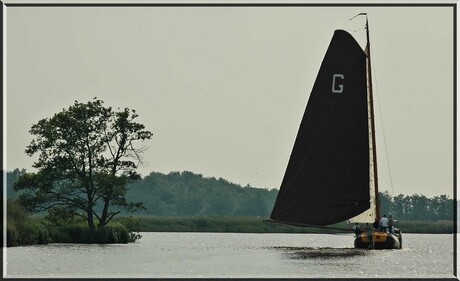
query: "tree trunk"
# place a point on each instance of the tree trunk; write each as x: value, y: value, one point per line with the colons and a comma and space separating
x: 91, y: 225
x: 90, y: 219
x: 108, y: 198
x: 105, y: 211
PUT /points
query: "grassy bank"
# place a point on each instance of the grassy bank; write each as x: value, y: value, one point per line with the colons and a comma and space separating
x: 257, y: 225
x: 426, y: 227
x: 220, y: 224
x: 22, y: 229
x: 38, y: 233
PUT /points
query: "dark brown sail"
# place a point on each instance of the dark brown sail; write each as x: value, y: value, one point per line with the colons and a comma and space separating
x: 327, y: 177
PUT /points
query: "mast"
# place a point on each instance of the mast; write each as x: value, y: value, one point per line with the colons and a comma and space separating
x: 371, y: 106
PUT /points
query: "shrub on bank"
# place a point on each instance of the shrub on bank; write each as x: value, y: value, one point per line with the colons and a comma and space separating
x: 133, y: 225
x: 11, y: 235
x: 22, y: 230
x: 34, y: 233
x: 26, y: 234
x: 115, y: 233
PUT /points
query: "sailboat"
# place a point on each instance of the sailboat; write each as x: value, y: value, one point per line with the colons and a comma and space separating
x: 331, y: 175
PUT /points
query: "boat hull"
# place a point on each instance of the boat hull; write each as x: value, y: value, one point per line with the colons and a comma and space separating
x: 378, y: 240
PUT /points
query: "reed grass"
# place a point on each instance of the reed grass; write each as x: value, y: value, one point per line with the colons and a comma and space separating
x: 80, y: 233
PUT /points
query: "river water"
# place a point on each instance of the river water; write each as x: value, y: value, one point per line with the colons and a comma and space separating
x: 159, y: 255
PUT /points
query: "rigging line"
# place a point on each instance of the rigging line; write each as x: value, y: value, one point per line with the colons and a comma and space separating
x: 383, y: 127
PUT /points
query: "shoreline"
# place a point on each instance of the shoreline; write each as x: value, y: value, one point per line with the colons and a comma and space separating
x: 77, y: 234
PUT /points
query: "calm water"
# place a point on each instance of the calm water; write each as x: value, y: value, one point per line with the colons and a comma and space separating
x: 236, y: 255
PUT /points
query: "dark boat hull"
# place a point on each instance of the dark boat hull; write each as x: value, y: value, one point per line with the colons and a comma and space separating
x: 378, y: 240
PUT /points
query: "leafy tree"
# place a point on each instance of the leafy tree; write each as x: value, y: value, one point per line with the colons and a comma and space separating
x: 220, y: 206
x: 401, y: 209
x: 60, y: 215
x: 386, y: 203
x: 254, y: 206
x: 189, y: 205
x: 445, y: 207
x: 420, y: 206
x: 87, y: 156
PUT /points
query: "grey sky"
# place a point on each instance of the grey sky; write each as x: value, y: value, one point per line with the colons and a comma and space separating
x: 224, y: 89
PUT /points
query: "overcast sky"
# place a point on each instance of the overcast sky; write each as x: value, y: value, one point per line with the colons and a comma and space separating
x: 224, y: 89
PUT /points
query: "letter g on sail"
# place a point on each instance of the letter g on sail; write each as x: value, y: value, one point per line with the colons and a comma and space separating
x: 336, y: 87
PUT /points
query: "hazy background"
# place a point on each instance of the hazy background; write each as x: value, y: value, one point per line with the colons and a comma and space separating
x: 224, y: 89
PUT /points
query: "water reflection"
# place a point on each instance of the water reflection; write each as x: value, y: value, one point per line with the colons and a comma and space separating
x: 320, y: 253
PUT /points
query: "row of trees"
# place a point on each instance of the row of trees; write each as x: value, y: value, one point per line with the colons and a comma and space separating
x: 417, y: 207
x: 189, y: 194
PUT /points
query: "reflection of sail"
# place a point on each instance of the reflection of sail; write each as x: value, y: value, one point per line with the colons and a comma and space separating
x: 327, y: 177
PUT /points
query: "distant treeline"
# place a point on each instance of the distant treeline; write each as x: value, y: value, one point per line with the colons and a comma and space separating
x: 189, y: 194
x: 183, y: 194
x: 417, y: 207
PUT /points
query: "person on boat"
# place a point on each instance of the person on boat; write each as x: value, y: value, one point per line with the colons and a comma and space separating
x: 368, y: 230
x: 384, y: 223
x: 357, y: 229
x: 390, y: 224
x: 376, y: 224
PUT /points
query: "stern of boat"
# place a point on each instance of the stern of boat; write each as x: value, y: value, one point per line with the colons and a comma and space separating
x: 378, y: 240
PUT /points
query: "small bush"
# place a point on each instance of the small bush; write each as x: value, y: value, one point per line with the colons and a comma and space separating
x: 23, y: 230
x: 11, y: 235
x: 33, y: 234
x: 43, y: 234
x: 133, y: 225
x: 119, y: 233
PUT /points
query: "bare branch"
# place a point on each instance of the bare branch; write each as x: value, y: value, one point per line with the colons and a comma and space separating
x: 111, y: 216
x: 95, y: 214
x: 108, y: 142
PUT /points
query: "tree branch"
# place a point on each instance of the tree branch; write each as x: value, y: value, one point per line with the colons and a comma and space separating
x: 111, y: 216
x: 95, y: 214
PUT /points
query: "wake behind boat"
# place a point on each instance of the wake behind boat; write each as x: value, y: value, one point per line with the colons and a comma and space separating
x: 332, y: 171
